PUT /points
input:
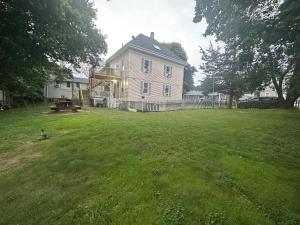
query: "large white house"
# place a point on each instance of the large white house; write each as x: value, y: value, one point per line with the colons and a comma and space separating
x: 142, y: 70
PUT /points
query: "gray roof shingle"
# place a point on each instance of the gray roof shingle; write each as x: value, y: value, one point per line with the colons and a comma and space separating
x: 74, y: 79
x: 79, y: 80
x: 148, y: 43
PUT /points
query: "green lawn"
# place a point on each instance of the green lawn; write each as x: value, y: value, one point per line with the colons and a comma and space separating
x: 107, y: 167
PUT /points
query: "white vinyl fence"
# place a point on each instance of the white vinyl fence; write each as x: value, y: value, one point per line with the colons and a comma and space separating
x: 144, y: 106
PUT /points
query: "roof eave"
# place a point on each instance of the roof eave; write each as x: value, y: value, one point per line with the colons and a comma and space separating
x: 127, y: 46
x: 157, y: 55
x: 120, y: 51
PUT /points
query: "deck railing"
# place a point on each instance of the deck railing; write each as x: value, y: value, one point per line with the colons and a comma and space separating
x: 148, y: 106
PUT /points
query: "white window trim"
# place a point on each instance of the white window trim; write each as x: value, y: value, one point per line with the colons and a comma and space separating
x: 169, y: 93
x: 144, y: 70
x: 143, y: 88
x: 168, y: 75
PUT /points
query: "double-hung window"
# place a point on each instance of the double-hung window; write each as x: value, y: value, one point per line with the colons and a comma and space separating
x: 167, y: 90
x: 145, y: 88
x: 68, y: 84
x: 168, y: 71
x: 56, y: 84
x: 146, y: 66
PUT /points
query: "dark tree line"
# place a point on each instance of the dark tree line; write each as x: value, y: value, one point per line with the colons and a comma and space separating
x: 189, y: 70
x: 262, y: 45
x: 38, y: 36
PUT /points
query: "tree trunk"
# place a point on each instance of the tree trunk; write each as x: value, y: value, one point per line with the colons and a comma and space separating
x: 229, y: 106
x: 288, y: 102
x: 283, y: 103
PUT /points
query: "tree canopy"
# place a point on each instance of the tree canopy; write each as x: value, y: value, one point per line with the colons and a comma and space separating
x: 266, y: 33
x: 223, y: 72
x: 189, y: 70
x: 37, y: 36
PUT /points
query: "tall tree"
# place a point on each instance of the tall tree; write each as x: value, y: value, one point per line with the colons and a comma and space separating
x: 188, y: 78
x: 260, y: 28
x: 37, y: 35
x: 189, y: 71
x: 177, y: 49
x: 207, y: 85
x: 224, y: 72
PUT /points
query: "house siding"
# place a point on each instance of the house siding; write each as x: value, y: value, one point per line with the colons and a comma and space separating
x: 116, y: 64
x: 268, y: 91
x: 51, y: 91
x: 156, y: 77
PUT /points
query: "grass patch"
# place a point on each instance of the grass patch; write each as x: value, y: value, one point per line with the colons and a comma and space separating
x: 185, y: 167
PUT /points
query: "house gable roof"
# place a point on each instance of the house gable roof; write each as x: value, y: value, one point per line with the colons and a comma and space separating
x: 150, y: 46
x: 73, y: 80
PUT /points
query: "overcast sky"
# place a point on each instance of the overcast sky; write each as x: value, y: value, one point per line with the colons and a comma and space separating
x: 170, y: 20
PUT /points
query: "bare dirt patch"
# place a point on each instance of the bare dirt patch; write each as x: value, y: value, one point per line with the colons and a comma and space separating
x: 17, y: 159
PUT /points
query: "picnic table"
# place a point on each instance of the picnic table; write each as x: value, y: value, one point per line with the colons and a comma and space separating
x: 64, y: 104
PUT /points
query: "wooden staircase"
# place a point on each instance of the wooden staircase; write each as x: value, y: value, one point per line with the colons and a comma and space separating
x: 86, y: 99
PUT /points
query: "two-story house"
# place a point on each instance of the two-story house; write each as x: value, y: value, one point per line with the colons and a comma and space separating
x: 68, y: 88
x: 148, y: 71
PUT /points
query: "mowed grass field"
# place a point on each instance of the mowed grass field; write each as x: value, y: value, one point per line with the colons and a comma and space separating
x: 194, y: 167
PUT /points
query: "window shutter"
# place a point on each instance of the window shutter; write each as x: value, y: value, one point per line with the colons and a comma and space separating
x: 149, y: 88
x: 165, y: 71
x: 142, y: 65
x: 171, y: 71
x: 142, y: 87
x: 164, y: 87
x: 170, y: 90
x: 150, y: 66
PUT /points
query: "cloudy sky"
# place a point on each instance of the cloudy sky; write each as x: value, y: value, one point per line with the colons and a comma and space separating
x: 170, y: 20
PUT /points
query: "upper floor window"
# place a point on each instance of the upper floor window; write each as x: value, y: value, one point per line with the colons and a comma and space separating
x: 167, y: 90
x: 68, y: 84
x: 56, y: 84
x: 146, y: 66
x: 145, y: 88
x: 168, y: 71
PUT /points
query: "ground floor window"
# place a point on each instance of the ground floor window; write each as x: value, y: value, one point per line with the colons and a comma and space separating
x: 145, y: 87
x: 167, y: 90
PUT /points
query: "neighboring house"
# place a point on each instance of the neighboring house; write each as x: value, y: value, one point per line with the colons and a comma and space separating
x: 246, y: 97
x: 145, y: 71
x: 268, y: 91
x: 218, y: 96
x: 193, y: 96
x: 69, y: 88
x: 198, y: 95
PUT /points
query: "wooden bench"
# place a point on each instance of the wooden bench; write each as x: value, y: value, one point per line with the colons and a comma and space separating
x: 63, y: 104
